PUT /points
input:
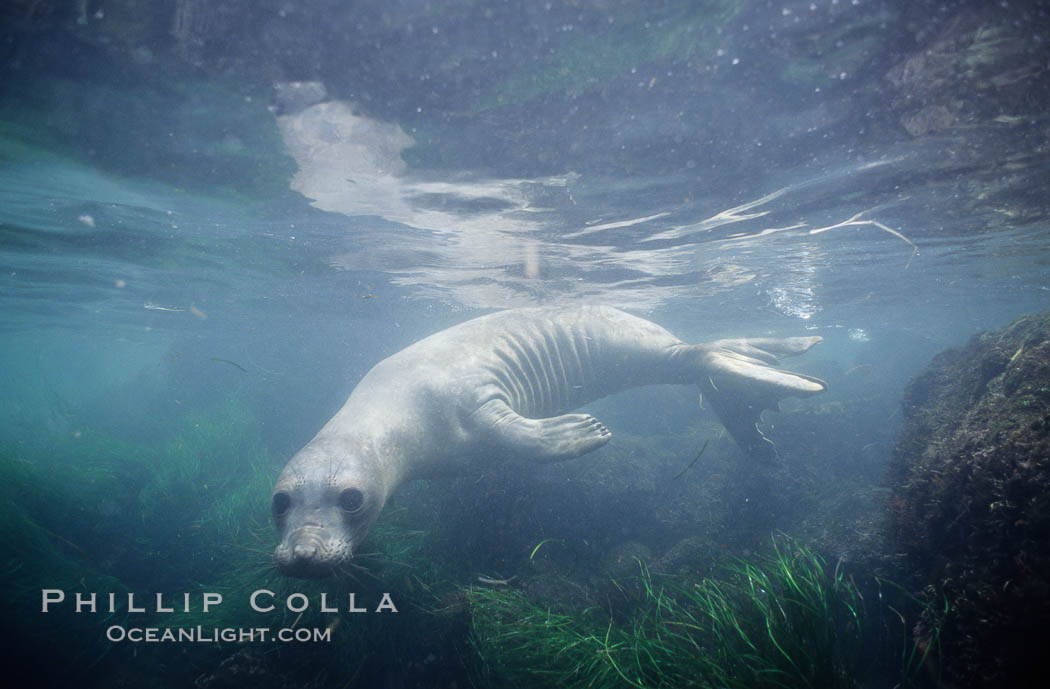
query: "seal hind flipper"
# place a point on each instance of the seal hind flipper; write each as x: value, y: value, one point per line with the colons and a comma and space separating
x: 740, y: 382
x: 544, y: 440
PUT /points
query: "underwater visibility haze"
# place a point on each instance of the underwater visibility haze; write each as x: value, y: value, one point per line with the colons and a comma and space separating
x: 217, y: 217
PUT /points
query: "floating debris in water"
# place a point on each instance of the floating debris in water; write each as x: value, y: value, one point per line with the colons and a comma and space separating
x: 695, y: 460
x: 862, y: 369
x: 496, y: 582
x: 231, y: 363
x: 154, y: 307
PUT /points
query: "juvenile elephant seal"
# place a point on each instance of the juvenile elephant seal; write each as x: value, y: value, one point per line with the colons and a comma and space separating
x: 495, y: 387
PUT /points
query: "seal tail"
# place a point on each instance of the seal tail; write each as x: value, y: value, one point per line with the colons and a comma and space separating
x: 739, y: 380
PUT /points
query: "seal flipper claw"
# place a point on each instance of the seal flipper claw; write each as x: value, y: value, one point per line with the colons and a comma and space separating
x: 544, y: 440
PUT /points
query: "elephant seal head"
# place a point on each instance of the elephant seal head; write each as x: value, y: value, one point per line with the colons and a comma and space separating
x: 324, y: 503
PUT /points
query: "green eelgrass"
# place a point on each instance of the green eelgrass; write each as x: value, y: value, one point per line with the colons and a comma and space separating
x: 783, y: 621
x: 37, y: 554
x: 539, y: 545
x: 189, y: 513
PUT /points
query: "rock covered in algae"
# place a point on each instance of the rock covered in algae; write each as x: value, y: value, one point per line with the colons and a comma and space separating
x: 970, y: 510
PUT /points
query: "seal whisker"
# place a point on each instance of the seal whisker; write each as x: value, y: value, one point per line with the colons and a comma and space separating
x: 260, y: 570
x: 362, y: 569
x: 384, y: 561
x: 342, y: 571
x: 252, y: 550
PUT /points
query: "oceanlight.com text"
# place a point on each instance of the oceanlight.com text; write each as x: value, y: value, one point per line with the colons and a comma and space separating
x: 201, y: 634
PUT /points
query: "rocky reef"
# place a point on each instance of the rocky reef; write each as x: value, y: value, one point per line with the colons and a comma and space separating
x: 970, y: 509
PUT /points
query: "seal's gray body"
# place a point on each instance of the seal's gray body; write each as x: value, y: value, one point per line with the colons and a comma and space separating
x: 498, y: 387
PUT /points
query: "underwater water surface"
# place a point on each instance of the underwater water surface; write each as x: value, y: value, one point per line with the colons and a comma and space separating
x: 215, y: 218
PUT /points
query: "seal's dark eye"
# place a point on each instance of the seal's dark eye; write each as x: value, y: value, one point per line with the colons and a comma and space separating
x: 351, y: 500
x: 281, y: 502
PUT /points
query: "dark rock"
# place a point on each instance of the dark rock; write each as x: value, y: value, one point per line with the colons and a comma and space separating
x: 970, y: 511
x: 626, y: 559
x: 690, y: 555
x: 932, y: 118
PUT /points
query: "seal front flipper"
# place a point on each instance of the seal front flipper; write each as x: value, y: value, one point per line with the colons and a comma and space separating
x: 739, y: 381
x: 543, y: 440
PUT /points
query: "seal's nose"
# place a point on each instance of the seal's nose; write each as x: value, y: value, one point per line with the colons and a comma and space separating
x: 303, y: 552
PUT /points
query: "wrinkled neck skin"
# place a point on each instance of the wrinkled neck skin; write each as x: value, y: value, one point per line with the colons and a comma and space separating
x: 336, y: 486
